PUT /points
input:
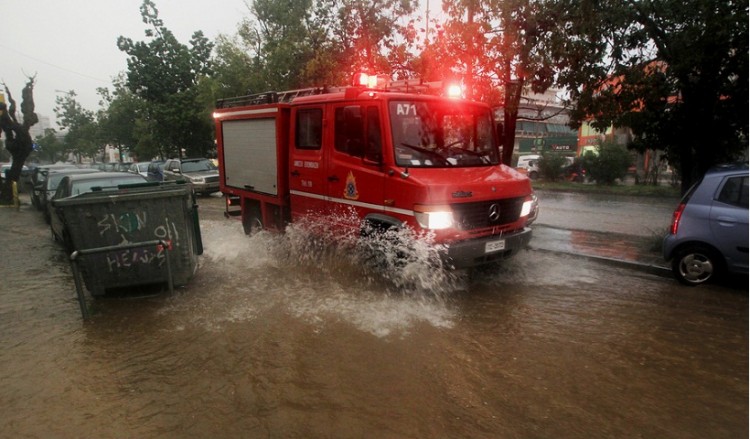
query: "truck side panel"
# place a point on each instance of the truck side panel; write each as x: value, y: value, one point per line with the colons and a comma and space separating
x: 251, y: 160
x: 252, y: 143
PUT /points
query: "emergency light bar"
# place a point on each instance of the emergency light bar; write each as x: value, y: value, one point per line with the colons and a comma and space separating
x: 383, y: 82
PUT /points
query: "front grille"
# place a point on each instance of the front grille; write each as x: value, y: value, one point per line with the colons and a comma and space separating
x: 489, y: 213
x: 212, y: 179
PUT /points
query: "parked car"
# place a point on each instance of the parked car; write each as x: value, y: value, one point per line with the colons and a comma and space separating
x: 5, y: 167
x: 155, y: 171
x: 54, y: 177
x: 529, y: 164
x: 709, y: 232
x: 76, y: 184
x: 202, y: 174
x: 107, y: 167
x: 139, y: 168
x: 39, y: 176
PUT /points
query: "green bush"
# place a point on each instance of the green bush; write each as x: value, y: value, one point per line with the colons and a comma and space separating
x: 611, y: 163
x: 550, y: 166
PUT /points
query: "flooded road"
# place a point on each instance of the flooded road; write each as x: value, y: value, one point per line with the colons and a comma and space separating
x: 269, y: 340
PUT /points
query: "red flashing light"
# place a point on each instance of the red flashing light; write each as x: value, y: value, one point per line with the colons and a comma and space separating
x: 454, y: 91
x: 365, y: 80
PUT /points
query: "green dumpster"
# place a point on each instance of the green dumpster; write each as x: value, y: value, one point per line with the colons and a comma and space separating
x: 110, y: 225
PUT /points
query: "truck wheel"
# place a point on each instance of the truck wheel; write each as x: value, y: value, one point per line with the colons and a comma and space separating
x: 695, y: 264
x: 533, y: 175
x: 252, y: 223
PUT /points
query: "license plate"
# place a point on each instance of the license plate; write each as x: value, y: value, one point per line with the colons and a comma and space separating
x: 494, y: 246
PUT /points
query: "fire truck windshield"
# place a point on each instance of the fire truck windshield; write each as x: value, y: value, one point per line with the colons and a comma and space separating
x: 435, y: 134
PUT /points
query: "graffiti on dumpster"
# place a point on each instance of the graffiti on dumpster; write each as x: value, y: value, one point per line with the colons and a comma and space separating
x: 130, y: 257
x: 134, y: 227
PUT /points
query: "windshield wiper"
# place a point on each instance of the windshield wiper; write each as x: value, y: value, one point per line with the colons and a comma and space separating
x: 429, y: 152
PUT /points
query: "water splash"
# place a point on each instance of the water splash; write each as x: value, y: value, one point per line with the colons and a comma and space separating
x: 381, y: 285
x: 401, y: 260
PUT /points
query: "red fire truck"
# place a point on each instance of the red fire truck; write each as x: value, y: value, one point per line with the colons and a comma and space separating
x: 391, y: 153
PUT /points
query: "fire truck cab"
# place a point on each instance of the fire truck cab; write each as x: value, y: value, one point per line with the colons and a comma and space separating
x: 391, y: 156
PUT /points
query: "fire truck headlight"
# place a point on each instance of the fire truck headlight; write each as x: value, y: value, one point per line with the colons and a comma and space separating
x: 526, y: 208
x: 433, y: 217
x: 530, y: 208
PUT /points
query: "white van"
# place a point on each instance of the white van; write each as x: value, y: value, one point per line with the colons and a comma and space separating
x: 530, y: 164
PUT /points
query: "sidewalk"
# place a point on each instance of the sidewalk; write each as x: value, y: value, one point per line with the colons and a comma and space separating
x: 629, y: 251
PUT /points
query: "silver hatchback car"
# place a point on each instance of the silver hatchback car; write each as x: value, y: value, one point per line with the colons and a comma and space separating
x: 709, y: 231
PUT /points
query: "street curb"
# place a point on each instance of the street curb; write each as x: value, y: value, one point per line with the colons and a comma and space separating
x: 643, y: 267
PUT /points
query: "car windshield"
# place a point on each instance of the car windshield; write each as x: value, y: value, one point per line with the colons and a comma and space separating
x: 198, y: 166
x: 83, y: 186
x: 436, y: 134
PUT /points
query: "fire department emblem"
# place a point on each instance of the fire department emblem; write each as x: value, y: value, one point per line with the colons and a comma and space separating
x: 350, y: 189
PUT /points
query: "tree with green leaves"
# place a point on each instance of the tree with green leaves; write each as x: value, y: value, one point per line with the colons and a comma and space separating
x: 370, y: 34
x: 166, y: 75
x: 499, y: 48
x: 117, y: 118
x: 51, y: 149
x: 297, y: 44
x: 674, y: 71
x: 81, y: 138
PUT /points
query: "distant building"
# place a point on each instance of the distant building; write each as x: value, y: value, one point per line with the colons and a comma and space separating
x: 38, y: 129
x: 542, y: 125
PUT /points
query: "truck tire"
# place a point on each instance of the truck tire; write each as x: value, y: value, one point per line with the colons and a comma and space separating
x: 533, y: 175
x: 252, y: 222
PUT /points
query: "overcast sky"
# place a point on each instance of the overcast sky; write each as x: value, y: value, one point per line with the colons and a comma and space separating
x: 72, y: 44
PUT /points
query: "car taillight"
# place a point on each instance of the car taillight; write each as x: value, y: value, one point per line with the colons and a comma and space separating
x: 676, y: 218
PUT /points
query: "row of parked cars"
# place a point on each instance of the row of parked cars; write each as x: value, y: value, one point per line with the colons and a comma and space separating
x: 201, y: 173
x: 58, y: 181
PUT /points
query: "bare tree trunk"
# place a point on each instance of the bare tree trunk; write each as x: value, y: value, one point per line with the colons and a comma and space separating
x: 17, y: 138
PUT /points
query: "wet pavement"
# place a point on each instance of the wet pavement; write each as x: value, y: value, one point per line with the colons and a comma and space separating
x: 621, y: 230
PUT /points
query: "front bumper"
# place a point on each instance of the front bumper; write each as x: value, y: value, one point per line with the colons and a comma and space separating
x: 475, y: 252
x: 205, y: 187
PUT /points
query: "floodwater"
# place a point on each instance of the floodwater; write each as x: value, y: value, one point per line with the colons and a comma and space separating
x: 275, y: 337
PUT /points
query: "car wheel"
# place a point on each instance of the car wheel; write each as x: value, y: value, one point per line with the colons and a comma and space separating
x: 695, y: 264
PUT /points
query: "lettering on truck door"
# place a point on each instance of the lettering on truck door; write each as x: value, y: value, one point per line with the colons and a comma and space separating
x: 354, y: 171
x: 307, y: 184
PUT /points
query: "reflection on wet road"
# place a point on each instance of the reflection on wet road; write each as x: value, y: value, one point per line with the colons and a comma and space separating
x: 265, y: 342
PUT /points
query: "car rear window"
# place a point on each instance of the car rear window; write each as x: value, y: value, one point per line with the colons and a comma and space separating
x: 691, y: 191
x: 83, y: 186
x: 202, y: 165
